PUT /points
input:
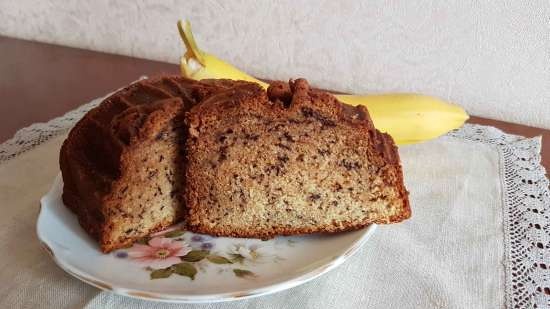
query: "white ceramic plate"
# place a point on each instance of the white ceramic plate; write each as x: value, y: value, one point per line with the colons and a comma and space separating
x: 222, y: 268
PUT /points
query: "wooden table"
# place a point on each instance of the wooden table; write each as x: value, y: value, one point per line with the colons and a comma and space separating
x: 40, y: 81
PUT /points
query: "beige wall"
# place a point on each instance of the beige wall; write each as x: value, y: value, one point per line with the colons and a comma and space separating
x: 493, y: 57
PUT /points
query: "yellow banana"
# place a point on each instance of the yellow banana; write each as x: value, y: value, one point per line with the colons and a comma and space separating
x: 408, y: 118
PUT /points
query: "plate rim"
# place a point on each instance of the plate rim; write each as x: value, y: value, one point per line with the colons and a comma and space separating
x: 203, y: 298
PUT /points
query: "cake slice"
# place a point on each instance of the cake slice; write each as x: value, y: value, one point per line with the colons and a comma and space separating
x: 123, y: 162
x: 288, y: 161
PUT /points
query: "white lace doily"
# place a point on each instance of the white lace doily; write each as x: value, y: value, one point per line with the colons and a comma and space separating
x: 526, y: 215
x: 526, y: 194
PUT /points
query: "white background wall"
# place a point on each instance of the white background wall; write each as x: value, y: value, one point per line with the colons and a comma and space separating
x: 492, y: 57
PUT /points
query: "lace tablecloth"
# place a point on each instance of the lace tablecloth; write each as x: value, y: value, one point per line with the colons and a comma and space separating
x: 479, y: 236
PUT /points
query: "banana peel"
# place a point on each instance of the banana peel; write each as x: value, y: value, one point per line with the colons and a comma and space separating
x: 408, y: 118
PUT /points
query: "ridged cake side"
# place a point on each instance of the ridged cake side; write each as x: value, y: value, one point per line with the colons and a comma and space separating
x: 122, y: 164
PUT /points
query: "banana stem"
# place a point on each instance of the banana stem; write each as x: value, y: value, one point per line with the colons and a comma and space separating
x: 193, y: 51
x: 196, y: 64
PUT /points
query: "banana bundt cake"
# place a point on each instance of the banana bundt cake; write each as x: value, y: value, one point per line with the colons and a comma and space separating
x: 230, y: 159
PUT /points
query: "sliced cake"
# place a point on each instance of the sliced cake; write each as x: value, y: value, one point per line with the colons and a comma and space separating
x: 123, y: 163
x: 291, y: 160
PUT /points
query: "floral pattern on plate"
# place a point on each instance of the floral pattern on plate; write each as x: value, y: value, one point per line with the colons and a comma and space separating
x: 178, y: 252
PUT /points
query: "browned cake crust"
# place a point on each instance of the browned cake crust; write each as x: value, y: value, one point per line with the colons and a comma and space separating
x: 122, y: 164
x: 289, y: 161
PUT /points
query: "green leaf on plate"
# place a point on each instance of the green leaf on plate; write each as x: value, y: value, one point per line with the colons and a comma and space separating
x: 185, y: 269
x: 174, y: 234
x: 195, y: 255
x: 237, y: 258
x: 161, y: 273
x: 243, y: 273
x: 216, y: 259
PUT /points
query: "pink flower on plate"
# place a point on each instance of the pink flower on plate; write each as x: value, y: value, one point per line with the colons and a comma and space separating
x: 160, y: 252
